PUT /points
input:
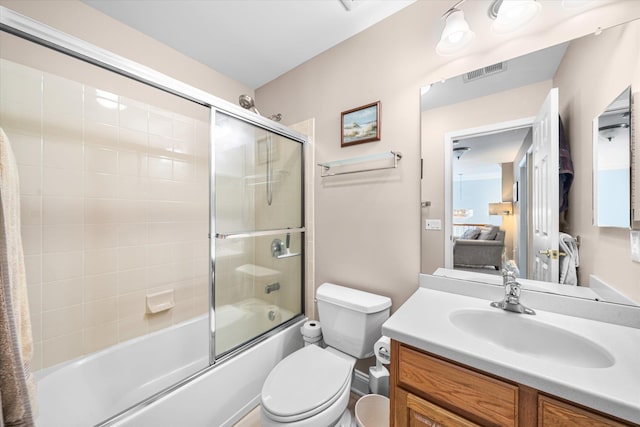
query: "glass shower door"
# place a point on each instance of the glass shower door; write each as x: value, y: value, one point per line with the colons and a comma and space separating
x: 258, y: 225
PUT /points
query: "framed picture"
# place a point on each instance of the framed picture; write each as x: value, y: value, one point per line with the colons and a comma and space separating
x: 360, y: 125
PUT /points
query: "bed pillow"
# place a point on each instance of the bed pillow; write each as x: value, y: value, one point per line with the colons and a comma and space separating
x: 471, y: 233
x: 488, y: 232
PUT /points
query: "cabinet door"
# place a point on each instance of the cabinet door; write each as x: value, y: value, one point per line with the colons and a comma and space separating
x: 425, y: 414
x: 478, y: 396
x: 553, y: 413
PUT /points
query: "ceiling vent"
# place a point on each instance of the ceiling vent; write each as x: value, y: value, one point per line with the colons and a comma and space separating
x: 485, y: 72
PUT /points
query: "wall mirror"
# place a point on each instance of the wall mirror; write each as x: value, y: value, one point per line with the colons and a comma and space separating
x: 518, y: 156
x: 611, y: 166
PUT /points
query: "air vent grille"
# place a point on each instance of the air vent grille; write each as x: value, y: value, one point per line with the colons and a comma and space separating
x: 485, y: 72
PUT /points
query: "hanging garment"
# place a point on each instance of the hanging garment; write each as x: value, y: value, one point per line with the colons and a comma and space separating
x: 17, y: 388
x: 565, y: 168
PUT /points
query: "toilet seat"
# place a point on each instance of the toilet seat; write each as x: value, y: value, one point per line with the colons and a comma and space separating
x: 304, y: 384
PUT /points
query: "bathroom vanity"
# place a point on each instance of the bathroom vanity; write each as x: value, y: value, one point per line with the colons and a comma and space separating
x: 430, y: 391
x: 456, y: 361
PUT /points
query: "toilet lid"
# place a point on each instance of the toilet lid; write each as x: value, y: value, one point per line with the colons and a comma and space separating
x: 305, y: 383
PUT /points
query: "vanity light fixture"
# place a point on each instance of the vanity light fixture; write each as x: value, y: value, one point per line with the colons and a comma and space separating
x: 510, y: 15
x: 456, y: 34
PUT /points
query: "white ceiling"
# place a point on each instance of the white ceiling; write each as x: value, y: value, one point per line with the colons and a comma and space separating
x: 487, y: 152
x: 251, y: 41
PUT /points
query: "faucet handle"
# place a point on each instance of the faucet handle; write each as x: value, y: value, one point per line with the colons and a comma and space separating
x: 512, y: 289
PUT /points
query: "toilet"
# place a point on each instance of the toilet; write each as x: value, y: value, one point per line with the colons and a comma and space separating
x: 311, y: 387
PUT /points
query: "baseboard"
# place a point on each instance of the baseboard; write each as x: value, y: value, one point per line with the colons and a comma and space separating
x: 360, y: 383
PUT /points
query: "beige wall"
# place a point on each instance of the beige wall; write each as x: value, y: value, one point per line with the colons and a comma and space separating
x: 368, y: 226
x: 588, y: 83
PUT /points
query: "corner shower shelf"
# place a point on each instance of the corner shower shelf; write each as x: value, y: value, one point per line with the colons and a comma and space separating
x: 326, y: 166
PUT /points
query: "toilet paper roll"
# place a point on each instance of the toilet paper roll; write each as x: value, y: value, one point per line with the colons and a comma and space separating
x: 311, y: 329
x: 382, y: 350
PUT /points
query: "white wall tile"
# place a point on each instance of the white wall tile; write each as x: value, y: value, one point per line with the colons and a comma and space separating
x: 100, y: 337
x: 61, y: 348
x: 131, y: 257
x: 114, y: 206
x: 30, y: 179
x: 160, y: 124
x: 100, y: 312
x: 101, y: 106
x: 62, y: 182
x: 62, y: 210
x: 160, y: 167
x: 132, y: 280
x: 160, y: 145
x: 62, y: 153
x: 61, y: 294
x: 100, y: 159
x: 27, y: 149
x: 101, y: 185
x: 100, y: 286
x: 133, y: 117
x: 61, y: 265
x: 133, y: 140
x: 62, y: 238
x: 100, y: 134
x: 132, y: 163
x: 60, y: 322
x: 30, y: 210
x: 100, y: 236
x: 100, y: 261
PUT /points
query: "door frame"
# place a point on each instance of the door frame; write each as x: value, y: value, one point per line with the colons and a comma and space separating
x: 449, y: 137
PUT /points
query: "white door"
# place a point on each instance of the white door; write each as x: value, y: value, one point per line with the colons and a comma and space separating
x: 545, y: 198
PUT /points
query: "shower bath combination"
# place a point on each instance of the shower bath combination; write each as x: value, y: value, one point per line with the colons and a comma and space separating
x: 204, y: 248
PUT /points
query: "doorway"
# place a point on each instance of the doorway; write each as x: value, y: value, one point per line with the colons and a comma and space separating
x: 483, y: 176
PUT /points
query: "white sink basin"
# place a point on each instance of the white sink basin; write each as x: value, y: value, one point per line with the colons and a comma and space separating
x: 523, y: 334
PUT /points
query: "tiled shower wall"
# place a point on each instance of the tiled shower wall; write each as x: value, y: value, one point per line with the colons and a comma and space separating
x: 114, y: 197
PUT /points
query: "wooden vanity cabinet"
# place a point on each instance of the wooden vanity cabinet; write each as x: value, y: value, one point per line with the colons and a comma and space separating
x: 429, y: 391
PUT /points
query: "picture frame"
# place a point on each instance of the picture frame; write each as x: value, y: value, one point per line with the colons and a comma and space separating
x: 360, y: 125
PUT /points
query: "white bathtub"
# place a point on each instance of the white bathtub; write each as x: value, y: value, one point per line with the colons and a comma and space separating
x: 89, y: 390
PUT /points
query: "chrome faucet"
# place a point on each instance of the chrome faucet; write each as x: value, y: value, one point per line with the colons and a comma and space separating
x: 272, y: 287
x: 511, y: 301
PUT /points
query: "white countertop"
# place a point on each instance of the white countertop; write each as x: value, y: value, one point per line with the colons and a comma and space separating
x: 423, y: 322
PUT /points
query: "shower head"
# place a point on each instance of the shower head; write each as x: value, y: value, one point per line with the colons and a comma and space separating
x: 248, y: 103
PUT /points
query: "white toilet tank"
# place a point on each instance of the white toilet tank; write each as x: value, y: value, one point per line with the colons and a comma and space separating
x: 351, y: 319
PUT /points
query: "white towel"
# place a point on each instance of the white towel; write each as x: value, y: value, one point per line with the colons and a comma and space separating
x: 16, y: 344
x: 570, y: 261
